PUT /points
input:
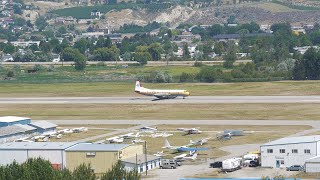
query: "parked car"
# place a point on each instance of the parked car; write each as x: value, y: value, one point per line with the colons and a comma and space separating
x: 217, y: 164
x: 168, y: 164
x: 254, y: 163
x: 295, y: 168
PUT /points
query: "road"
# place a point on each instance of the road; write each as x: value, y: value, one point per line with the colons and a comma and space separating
x: 152, y: 100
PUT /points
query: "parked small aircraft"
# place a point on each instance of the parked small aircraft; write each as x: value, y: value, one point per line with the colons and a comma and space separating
x: 199, y: 142
x: 160, y: 94
x: 130, y: 135
x: 80, y: 129
x: 148, y: 129
x: 181, y: 148
x: 224, y: 136
x: 136, y: 141
x: 190, y: 130
x: 159, y: 154
x: 115, y: 139
x: 192, y: 156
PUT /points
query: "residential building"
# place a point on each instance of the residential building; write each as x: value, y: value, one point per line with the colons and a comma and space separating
x: 7, y: 58
x: 289, y: 151
x: 141, y: 163
x: 25, y: 44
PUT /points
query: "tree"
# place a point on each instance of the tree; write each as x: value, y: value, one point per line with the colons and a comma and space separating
x: 299, y: 71
x: 312, y: 64
x: 41, y: 23
x: 84, y: 172
x: 209, y: 74
x: 118, y: 172
x: 9, y: 49
x: 215, y: 30
x: 219, y: 48
x: 62, y: 30
x: 186, y: 52
x: 155, y: 50
x: 106, y: 54
x: 82, y: 45
x: 71, y: 54
x: 45, y: 46
x: 230, y: 56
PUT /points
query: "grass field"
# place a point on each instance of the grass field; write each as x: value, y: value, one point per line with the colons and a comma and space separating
x: 164, y: 111
x: 286, y: 88
x: 261, y: 135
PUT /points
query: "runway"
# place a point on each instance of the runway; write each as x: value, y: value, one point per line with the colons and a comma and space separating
x: 153, y: 100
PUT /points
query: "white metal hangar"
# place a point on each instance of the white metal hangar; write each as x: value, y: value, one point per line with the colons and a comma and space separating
x: 289, y: 151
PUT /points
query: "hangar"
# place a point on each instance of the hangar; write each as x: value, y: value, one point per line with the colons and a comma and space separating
x: 289, y: 151
x: 69, y: 154
x: 141, y: 163
x: 100, y: 156
x: 44, y: 126
x: 12, y: 120
x: 21, y: 151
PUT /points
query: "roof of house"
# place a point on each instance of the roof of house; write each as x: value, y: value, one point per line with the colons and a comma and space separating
x: 97, y: 147
x: 8, y: 119
x: 8, y: 130
x: 43, y: 124
x: 36, y: 145
x: 294, y: 140
x: 140, y: 159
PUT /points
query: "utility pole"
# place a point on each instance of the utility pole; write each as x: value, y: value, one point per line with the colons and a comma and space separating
x: 145, y: 154
x: 136, y: 167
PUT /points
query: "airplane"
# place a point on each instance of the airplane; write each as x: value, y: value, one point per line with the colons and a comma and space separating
x: 181, y: 148
x: 160, y: 94
x: 190, y: 130
x: 115, y: 139
x: 199, y: 142
x: 25, y: 139
x: 65, y: 131
x: 192, y: 156
x: 168, y: 146
x: 148, y: 129
x: 130, y: 135
x: 159, y: 154
x: 59, y: 136
x: 80, y: 129
x: 136, y: 141
x: 224, y: 136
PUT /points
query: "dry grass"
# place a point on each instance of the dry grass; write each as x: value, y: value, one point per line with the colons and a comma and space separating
x: 298, y: 88
x: 99, y: 126
x: 272, y: 7
x: 79, y: 136
x: 179, y: 139
x: 164, y: 111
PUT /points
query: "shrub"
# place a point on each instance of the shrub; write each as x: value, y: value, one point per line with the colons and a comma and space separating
x: 186, y: 77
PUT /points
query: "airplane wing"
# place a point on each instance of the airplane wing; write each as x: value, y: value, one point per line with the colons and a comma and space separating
x: 192, y: 149
x: 164, y: 96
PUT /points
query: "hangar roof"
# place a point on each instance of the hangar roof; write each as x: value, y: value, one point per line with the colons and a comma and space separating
x: 8, y: 130
x: 97, y: 147
x: 293, y: 140
x: 36, y: 145
x: 43, y: 124
x: 8, y: 119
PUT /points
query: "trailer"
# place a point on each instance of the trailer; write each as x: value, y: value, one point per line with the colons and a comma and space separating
x: 232, y: 164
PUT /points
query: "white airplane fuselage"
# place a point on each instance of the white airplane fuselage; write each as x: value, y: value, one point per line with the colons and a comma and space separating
x: 160, y: 93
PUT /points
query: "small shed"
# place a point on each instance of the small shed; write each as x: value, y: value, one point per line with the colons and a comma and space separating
x: 141, y: 162
x: 44, y: 126
x: 12, y: 120
x: 312, y: 165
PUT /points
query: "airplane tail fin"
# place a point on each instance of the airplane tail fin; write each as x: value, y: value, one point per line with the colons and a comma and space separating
x: 138, y: 86
x: 194, y: 157
x: 166, y: 143
x: 138, y: 134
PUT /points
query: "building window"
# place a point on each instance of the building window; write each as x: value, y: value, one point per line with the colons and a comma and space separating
x: 141, y: 168
x: 269, y: 150
x: 282, y: 162
x: 294, y: 151
x: 282, y: 151
x: 307, y: 151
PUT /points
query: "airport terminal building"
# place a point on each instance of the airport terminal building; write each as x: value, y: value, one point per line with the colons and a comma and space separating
x: 289, y: 151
